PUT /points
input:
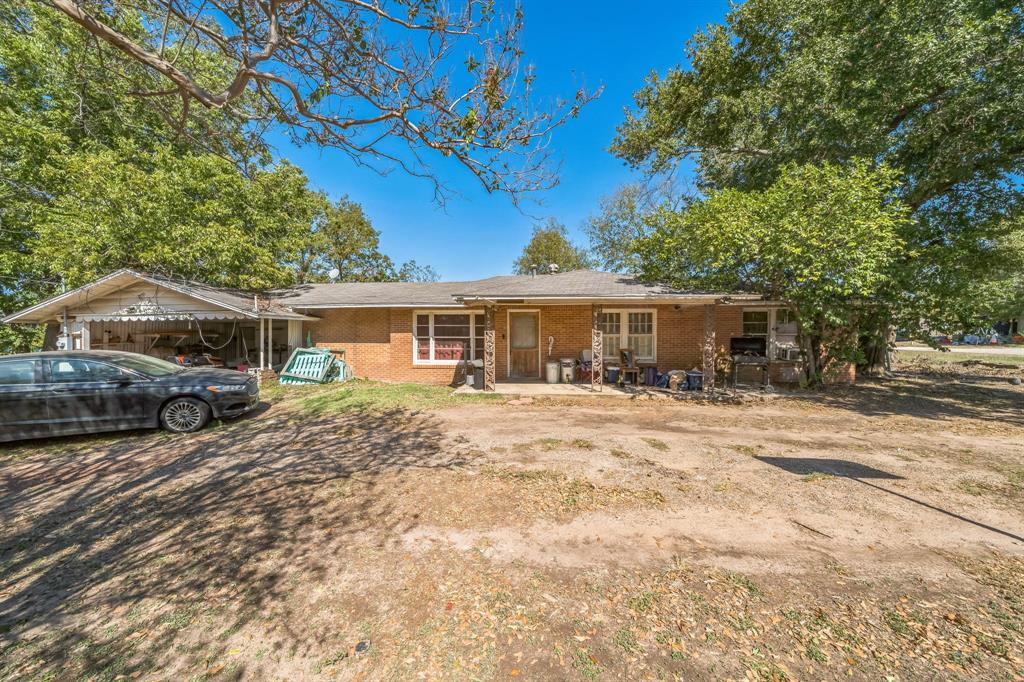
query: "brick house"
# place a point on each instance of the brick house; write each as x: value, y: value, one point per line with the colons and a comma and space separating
x: 423, y: 332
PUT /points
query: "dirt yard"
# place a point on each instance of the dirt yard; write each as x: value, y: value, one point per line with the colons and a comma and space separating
x: 866, y: 533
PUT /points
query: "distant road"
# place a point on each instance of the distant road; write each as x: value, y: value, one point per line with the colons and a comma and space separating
x: 979, y: 350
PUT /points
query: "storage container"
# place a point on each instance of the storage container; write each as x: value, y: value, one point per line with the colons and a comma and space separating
x: 568, y: 366
x: 551, y: 372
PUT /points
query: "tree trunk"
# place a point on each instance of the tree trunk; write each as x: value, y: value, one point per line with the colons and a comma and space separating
x: 876, y: 343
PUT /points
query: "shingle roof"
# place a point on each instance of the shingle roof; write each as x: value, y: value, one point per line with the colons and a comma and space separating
x: 576, y: 284
x: 369, y: 294
x: 238, y: 299
x: 584, y: 284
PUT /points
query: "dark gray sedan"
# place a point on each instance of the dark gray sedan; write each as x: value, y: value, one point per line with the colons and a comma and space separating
x: 67, y: 392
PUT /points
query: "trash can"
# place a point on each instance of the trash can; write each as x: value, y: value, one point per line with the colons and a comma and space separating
x: 478, y: 375
x: 551, y: 372
x: 695, y: 381
x: 612, y: 375
x: 568, y: 366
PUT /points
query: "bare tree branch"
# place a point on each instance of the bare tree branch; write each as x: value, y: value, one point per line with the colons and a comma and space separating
x: 380, y: 80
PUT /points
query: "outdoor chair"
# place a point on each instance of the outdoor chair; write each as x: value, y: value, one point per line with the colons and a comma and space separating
x: 629, y: 367
x: 585, y: 366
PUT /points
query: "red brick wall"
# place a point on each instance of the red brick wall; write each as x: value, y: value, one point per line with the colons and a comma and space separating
x: 378, y: 341
x: 377, y: 344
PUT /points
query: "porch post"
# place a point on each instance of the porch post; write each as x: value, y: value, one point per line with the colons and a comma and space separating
x: 263, y: 343
x: 596, y: 350
x: 489, y: 348
x: 709, y: 347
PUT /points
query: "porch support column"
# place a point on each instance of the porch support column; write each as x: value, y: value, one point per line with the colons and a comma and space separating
x: 596, y: 350
x: 489, y: 374
x: 709, y: 347
x: 263, y: 344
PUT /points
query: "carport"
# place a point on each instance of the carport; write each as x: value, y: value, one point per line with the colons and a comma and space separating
x: 165, y: 317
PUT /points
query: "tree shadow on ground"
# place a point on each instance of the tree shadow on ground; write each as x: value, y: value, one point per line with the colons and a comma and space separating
x: 148, y: 532
x: 854, y: 471
x: 913, y: 395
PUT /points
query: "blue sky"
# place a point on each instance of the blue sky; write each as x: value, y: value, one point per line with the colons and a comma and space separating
x: 601, y: 43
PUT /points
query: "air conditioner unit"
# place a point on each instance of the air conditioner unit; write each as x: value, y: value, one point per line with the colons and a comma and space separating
x: 788, y: 354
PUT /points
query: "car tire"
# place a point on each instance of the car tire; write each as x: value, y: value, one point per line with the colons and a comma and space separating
x: 184, y: 415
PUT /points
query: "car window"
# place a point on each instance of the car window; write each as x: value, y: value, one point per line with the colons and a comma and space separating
x: 154, y: 367
x: 17, y: 372
x: 65, y: 370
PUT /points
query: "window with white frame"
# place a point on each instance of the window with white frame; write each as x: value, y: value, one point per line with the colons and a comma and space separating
x: 755, y: 323
x: 634, y: 329
x: 447, y: 337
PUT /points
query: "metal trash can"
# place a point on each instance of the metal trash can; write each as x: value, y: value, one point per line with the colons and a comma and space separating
x: 551, y: 372
x: 611, y: 375
x: 568, y: 366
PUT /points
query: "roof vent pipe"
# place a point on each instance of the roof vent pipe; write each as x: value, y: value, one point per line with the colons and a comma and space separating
x: 533, y: 271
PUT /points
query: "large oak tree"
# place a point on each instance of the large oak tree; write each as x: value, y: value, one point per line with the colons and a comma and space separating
x: 934, y: 90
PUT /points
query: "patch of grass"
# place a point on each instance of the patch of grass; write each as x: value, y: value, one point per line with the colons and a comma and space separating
x: 656, y: 443
x: 763, y: 668
x: 180, y: 619
x: 817, y: 477
x: 898, y: 623
x: 974, y: 487
x: 627, y: 641
x: 586, y: 664
x: 372, y: 396
x: 1016, y: 478
x: 814, y: 652
x: 582, y: 444
x: 620, y: 453
x: 948, y: 357
x: 748, y: 450
x: 837, y: 568
x: 742, y: 581
x: 642, y: 603
x: 333, y: 659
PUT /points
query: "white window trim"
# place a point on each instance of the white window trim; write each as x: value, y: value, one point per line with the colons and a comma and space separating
x: 772, y: 343
x: 624, y: 330
x: 444, y: 363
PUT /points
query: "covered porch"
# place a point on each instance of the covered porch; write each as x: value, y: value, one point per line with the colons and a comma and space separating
x: 520, y: 339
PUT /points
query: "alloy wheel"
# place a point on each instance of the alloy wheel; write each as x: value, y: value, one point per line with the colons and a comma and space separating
x: 183, y: 416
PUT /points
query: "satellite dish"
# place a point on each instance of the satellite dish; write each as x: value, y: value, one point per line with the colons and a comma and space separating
x: 333, y: 274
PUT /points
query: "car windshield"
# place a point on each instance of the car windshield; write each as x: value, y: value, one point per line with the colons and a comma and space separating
x: 154, y: 367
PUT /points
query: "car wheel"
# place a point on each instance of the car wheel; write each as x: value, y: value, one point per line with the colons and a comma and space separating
x: 184, y: 415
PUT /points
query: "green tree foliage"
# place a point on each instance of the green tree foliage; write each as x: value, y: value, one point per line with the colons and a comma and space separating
x: 935, y: 90
x: 550, y: 245
x: 625, y: 217
x: 821, y: 238
x: 343, y: 238
x: 92, y: 179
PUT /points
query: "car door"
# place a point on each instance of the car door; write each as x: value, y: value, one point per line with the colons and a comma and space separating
x: 23, y: 400
x: 87, y: 395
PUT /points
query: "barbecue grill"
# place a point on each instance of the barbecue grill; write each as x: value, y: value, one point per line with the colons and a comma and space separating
x: 750, y: 351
